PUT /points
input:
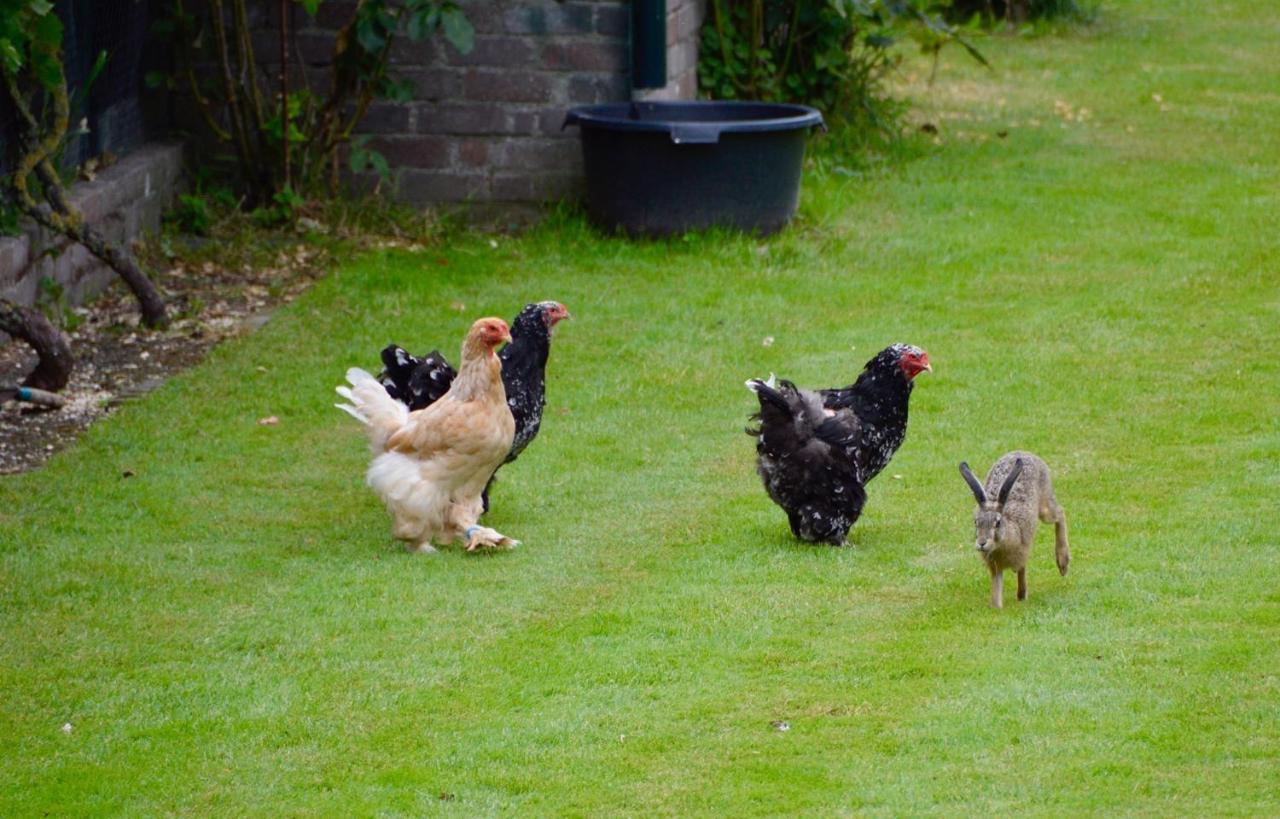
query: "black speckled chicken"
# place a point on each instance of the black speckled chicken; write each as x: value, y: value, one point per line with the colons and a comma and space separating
x: 419, y: 382
x: 817, y: 449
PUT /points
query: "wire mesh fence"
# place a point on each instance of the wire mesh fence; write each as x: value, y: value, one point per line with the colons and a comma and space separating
x: 118, y: 110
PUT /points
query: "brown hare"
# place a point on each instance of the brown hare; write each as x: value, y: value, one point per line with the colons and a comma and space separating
x: 1018, y: 495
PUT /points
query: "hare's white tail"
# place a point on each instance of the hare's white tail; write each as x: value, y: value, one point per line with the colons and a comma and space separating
x: 371, y: 406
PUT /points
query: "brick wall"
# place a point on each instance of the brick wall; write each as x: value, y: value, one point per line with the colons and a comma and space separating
x: 485, y: 126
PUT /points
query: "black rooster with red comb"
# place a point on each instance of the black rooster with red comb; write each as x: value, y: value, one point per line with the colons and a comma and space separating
x: 817, y: 449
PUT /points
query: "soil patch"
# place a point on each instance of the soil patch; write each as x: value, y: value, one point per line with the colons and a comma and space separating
x: 117, y: 361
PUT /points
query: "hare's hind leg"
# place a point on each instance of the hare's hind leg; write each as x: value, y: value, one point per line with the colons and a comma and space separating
x: 1022, y: 583
x: 1061, y: 551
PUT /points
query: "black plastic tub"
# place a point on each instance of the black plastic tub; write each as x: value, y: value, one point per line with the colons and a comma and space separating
x: 658, y: 168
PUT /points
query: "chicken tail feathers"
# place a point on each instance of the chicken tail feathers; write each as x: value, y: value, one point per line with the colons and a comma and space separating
x: 775, y: 410
x: 765, y: 391
x: 771, y: 382
x: 349, y: 409
x: 372, y: 406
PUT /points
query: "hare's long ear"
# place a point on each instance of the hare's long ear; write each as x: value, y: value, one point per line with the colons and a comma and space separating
x: 1010, y: 481
x: 973, y: 483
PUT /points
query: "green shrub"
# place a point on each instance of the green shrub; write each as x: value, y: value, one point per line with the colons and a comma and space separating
x: 283, y: 210
x: 831, y: 54
x: 192, y: 214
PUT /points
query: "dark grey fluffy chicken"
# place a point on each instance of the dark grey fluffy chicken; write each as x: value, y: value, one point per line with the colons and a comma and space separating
x: 816, y: 450
x: 419, y: 382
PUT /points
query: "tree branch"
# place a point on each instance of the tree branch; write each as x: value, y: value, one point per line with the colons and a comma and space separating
x: 56, y: 361
x: 118, y: 259
x: 58, y: 214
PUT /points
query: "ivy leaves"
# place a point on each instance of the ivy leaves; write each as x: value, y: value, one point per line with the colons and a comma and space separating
x: 380, y: 19
x: 425, y: 17
x: 31, y: 37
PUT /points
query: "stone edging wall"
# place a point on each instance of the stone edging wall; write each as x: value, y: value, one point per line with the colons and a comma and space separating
x: 123, y: 200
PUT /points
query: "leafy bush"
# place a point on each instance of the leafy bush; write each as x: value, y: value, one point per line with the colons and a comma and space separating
x: 831, y: 54
x: 364, y: 159
x: 209, y: 200
x: 192, y: 214
x: 284, y: 208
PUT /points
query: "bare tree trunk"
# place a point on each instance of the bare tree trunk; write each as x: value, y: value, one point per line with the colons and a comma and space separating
x: 117, y: 258
x: 56, y: 361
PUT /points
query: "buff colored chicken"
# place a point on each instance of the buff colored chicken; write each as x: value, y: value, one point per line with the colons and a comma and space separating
x: 430, y: 466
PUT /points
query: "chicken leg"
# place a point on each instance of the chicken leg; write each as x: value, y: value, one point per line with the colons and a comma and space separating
x: 482, y: 537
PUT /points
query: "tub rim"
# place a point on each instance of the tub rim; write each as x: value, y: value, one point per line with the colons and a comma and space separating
x: 625, y: 116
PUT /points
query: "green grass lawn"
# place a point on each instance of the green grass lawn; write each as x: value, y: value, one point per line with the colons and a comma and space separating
x: 232, y: 630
